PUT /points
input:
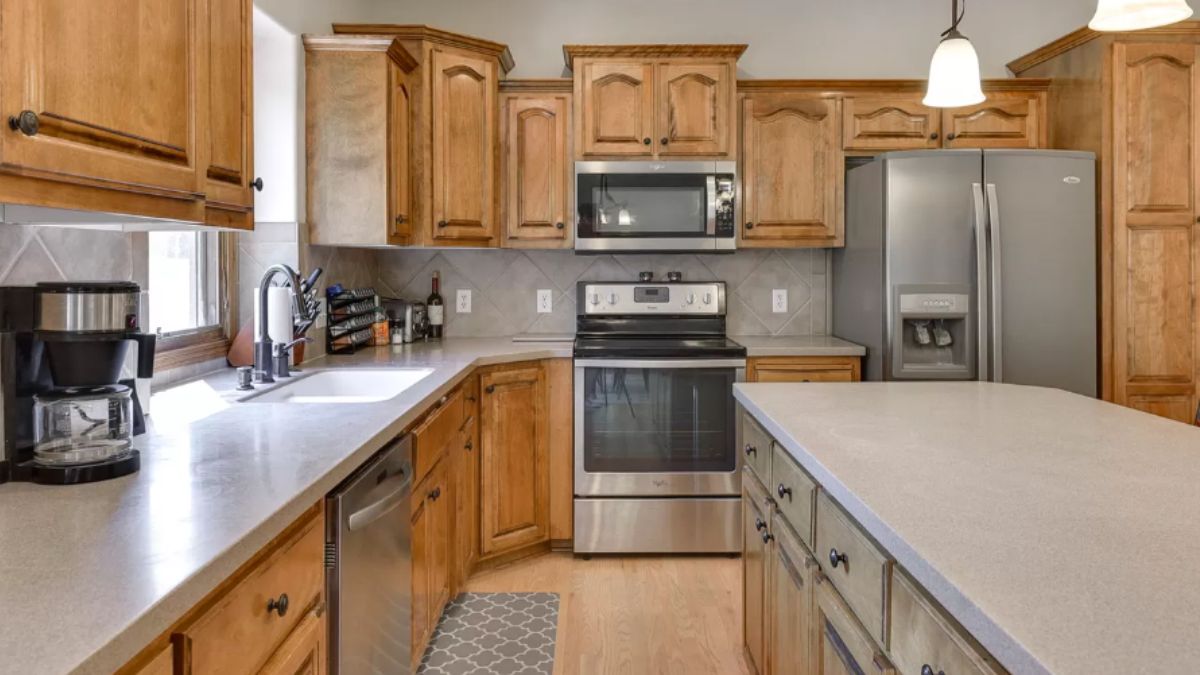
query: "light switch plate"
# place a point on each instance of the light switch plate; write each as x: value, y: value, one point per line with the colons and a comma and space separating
x: 779, y: 301
x: 462, y: 304
x: 545, y: 301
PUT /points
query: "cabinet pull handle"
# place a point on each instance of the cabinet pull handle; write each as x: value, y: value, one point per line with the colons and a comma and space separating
x: 749, y: 226
x: 257, y: 184
x: 646, y: 141
x: 401, y: 219
x: 442, y: 223
x: 784, y: 491
x: 751, y: 450
x: 278, y: 605
x: 928, y: 670
x: 664, y: 140
x: 759, y: 524
x: 767, y: 537
x: 25, y: 121
x: 434, y: 494
x: 469, y: 446
x: 559, y: 226
x: 933, y: 136
x: 836, y: 558
x: 490, y: 389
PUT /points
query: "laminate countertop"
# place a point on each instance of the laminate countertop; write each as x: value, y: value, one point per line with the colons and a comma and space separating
x: 797, y: 345
x: 1061, y: 531
x: 91, y: 574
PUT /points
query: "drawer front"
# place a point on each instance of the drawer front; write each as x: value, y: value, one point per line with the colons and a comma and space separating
x: 435, y: 433
x: 794, y: 492
x: 756, y: 448
x: 862, y: 570
x: 842, y: 644
x: 799, y: 373
x: 239, y: 633
x: 922, y: 636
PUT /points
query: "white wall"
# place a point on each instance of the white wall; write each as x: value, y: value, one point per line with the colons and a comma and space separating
x: 278, y: 121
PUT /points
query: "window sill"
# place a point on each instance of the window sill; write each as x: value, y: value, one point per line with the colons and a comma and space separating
x: 187, y: 350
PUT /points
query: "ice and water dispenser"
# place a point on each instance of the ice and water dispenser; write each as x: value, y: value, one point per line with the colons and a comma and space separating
x: 932, y: 338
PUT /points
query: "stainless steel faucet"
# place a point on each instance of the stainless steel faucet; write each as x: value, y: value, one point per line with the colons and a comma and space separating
x: 271, y: 359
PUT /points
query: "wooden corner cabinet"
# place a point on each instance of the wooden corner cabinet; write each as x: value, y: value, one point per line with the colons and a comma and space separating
x: 1132, y: 99
x: 654, y: 101
x: 536, y: 167
x: 142, y: 109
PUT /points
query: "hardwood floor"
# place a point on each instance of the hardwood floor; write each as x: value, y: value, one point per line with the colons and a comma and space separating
x: 635, y: 615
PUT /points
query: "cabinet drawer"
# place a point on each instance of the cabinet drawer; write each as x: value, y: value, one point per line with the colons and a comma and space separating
x: 857, y: 567
x: 432, y: 435
x: 842, y: 644
x: 804, y: 369
x: 923, y: 636
x: 794, y: 492
x: 756, y: 448
x: 239, y: 632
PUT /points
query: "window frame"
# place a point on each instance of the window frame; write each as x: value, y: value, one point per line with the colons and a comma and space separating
x: 189, y: 347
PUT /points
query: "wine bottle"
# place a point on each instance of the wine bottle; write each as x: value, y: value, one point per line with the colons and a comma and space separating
x: 436, y: 308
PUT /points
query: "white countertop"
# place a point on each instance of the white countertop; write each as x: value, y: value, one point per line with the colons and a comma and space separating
x: 90, y: 574
x: 1061, y: 531
x: 797, y: 345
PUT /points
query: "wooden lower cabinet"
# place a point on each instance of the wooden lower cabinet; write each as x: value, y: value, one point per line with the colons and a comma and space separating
x: 843, y: 646
x: 432, y: 551
x: 514, y: 451
x: 305, y: 652
x: 790, y: 570
x: 804, y: 369
x: 755, y: 533
x: 466, y: 500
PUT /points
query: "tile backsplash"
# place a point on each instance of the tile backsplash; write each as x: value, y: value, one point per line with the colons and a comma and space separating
x: 504, y: 285
x: 31, y: 254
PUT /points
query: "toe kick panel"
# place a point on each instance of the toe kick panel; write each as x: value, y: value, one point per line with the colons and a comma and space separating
x: 702, y: 525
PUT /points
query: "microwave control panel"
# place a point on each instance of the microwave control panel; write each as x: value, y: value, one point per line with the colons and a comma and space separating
x: 724, y: 205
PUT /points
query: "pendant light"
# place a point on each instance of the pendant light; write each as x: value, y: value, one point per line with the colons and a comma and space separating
x: 954, y: 70
x: 1128, y: 15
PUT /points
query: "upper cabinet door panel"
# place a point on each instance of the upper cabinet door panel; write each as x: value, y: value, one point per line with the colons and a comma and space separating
x: 400, y: 230
x: 890, y: 123
x: 695, y: 105
x: 616, y: 109
x: 535, y: 164
x: 229, y: 96
x: 1004, y: 120
x: 464, y: 147
x: 113, y: 88
x: 791, y: 164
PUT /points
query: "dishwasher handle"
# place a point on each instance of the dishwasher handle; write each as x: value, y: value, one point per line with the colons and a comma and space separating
x: 384, y: 505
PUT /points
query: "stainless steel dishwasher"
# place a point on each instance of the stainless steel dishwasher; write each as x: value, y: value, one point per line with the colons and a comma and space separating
x: 368, y: 566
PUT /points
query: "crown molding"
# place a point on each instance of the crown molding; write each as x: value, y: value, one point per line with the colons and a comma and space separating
x: 572, y: 52
x: 431, y: 34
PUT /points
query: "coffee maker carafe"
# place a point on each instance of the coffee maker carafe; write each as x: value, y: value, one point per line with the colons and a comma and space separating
x: 68, y: 415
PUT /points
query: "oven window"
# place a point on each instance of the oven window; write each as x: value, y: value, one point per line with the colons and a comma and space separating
x: 643, y: 205
x: 658, y: 420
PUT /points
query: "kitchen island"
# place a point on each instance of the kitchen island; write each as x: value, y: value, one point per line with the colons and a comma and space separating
x: 1061, y: 532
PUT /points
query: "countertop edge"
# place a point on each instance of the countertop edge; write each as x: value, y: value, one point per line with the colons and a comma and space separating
x: 129, y: 641
x: 1007, y: 650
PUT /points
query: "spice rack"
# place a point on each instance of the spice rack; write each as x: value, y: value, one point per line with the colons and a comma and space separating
x: 351, y: 316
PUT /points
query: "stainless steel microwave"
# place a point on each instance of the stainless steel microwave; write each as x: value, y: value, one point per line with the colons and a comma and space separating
x: 655, y: 206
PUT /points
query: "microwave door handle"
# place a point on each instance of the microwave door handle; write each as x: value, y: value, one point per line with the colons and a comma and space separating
x: 710, y: 187
x: 981, y: 281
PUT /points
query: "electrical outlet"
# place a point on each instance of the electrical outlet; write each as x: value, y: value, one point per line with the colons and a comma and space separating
x: 462, y: 303
x: 545, y: 301
x: 779, y: 300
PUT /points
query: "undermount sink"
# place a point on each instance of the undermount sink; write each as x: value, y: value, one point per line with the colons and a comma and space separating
x: 351, y: 385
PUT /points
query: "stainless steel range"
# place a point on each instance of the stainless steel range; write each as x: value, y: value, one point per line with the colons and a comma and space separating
x: 655, y: 463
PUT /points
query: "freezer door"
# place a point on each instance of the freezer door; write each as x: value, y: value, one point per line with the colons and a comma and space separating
x: 1042, y: 242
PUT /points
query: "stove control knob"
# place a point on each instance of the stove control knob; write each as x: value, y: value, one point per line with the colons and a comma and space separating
x: 691, y: 298
x: 612, y: 298
x: 594, y: 298
x: 708, y: 298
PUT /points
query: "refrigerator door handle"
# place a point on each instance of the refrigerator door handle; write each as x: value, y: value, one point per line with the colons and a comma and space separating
x: 993, y: 205
x: 981, y: 281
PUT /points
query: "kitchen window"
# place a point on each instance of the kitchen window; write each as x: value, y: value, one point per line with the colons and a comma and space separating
x: 188, y: 301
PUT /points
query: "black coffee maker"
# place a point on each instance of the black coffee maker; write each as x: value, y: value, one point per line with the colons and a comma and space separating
x: 68, y: 417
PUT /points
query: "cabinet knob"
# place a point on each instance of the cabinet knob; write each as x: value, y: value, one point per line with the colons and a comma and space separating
x: 469, y: 445
x: 257, y: 184
x: 646, y: 141
x: 559, y: 226
x: 434, y: 494
x: 928, y: 670
x: 664, y: 140
x: 490, y: 389
x: 767, y: 537
x: 933, y: 136
x: 749, y: 226
x: 751, y: 450
x: 25, y: 122
x: 951, y: 137
x: 784, y: 491
x: 400, y: 220
x: 278, y: 605
x: 836, y: 558
x: 442, y: 223
x: 759, y: 524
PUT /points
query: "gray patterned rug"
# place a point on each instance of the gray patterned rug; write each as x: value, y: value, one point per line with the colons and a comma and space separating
x: 494, y: 634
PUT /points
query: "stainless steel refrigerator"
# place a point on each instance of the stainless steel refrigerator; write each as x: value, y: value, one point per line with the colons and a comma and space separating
x: 972, y: 264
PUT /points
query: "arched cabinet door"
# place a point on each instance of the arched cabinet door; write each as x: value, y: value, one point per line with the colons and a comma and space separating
x: 791, y: 170
x: 1004, y: 120
x: 893, y: 122
x: 617, y: 108
x: 537, y: 170
x: 464, y: 148
x: 695, y: 101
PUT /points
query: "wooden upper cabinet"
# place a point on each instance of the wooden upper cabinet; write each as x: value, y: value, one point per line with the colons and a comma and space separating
x: 1156, y: 237
x: 891, y: 122
x: 464, y: 135
x: 1004, y: 120
x: 616, y: 109
x: 655, y: 100
x: 229, y: 159
x: 536, y: 169
x: 515, y: 475
x: 792, y: 172
x: 696, y: 108
x: 106, y: 93
x: 400, y: 224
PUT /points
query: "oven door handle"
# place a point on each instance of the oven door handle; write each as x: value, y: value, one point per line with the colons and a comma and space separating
x: 666, y: 364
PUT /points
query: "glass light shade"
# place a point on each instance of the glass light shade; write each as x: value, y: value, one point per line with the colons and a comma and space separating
x: 954, y: 75
x: 1128, y: 15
